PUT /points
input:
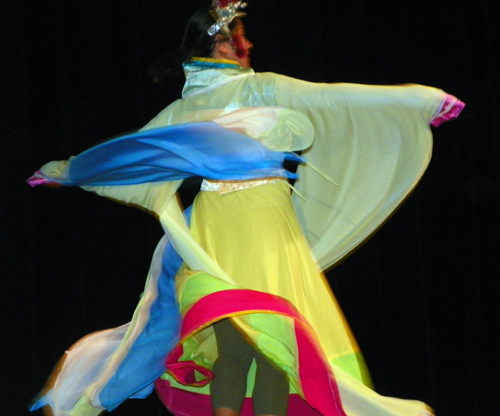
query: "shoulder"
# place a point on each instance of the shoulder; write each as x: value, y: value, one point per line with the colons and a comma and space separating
x: 262, y: 85
x: 266, y: 77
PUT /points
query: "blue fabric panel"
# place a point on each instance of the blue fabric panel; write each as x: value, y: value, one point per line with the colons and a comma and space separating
x: 176, y: 152
x: 145, y: 361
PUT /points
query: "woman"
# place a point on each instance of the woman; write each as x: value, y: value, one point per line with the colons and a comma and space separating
x: 241, y: 275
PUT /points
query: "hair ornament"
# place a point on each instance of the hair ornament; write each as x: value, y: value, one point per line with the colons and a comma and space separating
x: 224, y: 12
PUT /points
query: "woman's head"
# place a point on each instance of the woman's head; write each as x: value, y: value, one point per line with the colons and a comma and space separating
x: 197, y: 41
x: 237, y: 48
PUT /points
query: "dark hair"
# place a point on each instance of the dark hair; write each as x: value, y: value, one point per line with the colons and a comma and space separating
x: 196, y: 42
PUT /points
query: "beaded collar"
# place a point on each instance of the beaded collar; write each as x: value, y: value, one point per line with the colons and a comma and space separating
x: 212, y: 63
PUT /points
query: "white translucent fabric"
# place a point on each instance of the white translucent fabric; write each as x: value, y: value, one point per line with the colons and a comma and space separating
x: 275, y: 127
x: 82, y: 366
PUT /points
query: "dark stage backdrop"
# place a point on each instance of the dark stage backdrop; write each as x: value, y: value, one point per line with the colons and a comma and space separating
x: 422, y: 296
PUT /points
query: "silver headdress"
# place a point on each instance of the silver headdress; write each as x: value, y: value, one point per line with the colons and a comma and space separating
x: 224, y: 12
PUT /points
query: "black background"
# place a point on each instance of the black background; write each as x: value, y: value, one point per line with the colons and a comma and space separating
x: 422, y: 296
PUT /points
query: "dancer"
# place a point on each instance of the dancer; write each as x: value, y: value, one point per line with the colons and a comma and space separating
x: 235, y: 296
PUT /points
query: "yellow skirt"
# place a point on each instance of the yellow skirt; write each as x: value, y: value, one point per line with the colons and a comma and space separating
x: 255, y: 237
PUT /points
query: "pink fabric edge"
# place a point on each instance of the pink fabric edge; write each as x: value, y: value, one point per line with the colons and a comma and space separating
x: 316, y: 377
x: 449, y: 109
x: 37, y: 179
x: 187, y: 403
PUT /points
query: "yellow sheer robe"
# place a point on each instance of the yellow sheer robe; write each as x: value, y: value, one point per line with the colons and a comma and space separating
x: 373, y: 141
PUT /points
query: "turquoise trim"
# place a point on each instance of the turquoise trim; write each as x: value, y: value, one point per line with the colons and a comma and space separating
x: 204, y: 64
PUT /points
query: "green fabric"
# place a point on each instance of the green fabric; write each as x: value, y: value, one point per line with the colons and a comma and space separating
x: 354, y: 365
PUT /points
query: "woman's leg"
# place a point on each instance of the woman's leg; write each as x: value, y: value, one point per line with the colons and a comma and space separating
x: 235, y: 356
x: 270, y: 394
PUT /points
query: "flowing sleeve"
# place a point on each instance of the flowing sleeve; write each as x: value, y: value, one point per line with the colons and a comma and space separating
x: 374, y: 142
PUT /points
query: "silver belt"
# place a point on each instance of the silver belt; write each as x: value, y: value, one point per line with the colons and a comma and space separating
x: 224, y: 187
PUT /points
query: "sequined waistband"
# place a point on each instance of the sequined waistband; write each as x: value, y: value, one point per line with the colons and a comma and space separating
x: 224, y: 187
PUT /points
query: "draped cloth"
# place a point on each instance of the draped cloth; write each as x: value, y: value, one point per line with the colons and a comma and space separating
x: 373, y: 141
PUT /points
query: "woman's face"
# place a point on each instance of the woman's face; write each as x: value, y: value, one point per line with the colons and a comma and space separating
x: 242, y: 45
x: 238, y: 50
